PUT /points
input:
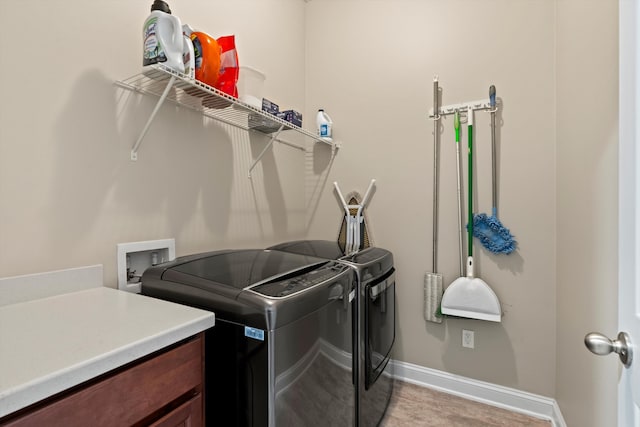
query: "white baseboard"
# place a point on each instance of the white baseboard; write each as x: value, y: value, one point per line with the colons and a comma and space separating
x: 483, y: 392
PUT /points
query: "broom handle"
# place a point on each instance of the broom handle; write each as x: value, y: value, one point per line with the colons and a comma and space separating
x: 456, y: 126
x: 435, y: 174
x: 470, y: 167
x: 494, y: 187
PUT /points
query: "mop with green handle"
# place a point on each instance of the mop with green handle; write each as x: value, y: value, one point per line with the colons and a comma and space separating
x: 470, y: 296
x: 456, y: 126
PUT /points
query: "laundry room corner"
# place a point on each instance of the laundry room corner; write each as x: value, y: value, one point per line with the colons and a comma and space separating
x: 380, y: 110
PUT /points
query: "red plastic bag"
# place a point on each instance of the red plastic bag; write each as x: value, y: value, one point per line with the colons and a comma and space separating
x: 229, y: 68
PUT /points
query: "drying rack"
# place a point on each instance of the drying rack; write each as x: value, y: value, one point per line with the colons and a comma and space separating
x: 353, y: 221
x: 180, y: 89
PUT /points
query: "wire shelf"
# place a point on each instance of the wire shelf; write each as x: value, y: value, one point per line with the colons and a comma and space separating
x: 167, y: 84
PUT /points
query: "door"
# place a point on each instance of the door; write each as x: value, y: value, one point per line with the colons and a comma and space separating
x: 379, y: 326
x: 629, y: 222
x: 313, y: 358
x: 629, y: 209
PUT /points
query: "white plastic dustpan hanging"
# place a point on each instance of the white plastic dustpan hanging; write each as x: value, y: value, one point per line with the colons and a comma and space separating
x: 471, y: 297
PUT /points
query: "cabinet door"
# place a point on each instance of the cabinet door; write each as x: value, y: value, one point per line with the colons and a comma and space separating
x: 189, y: 414
x: 126, y: 397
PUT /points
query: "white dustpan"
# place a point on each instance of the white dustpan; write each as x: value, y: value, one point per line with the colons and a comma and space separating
x: 471, y: 297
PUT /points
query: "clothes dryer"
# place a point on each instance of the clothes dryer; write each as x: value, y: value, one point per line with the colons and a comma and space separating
x: 374, y: 327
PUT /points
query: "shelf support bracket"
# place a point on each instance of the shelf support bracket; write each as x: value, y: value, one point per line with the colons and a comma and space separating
x: 134, y: 150
x: 274, y: 136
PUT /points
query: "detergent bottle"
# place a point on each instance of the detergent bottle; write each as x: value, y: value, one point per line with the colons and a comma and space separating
x: 207, y: 57
x: 188, y: 54
x: 163, y: 41
x: 324, y: 124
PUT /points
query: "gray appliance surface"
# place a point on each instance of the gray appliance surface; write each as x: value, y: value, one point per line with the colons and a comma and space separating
x: 283, y: 334
x: 326, y: 249
x: 375, y: 325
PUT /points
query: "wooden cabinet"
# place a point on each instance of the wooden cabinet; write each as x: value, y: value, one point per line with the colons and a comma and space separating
x: 189, y: 414
x: 162, y: 390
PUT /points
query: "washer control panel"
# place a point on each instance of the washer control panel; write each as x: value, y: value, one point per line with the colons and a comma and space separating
x: 285, y: 287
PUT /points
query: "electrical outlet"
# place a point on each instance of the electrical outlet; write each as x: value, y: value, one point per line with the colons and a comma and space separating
x: 468, y: 339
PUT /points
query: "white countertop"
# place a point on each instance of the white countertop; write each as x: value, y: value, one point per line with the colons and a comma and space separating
x: 50, y: 344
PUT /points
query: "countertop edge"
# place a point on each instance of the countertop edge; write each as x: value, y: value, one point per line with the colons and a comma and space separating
x: 12, y: 400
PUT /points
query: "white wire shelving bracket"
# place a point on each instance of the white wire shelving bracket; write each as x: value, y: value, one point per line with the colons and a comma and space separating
x: 169, y: 85
x: 264, y: 150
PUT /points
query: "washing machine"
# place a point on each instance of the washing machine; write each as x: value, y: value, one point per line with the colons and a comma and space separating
x: 374, y: 324
x: 281, y: 351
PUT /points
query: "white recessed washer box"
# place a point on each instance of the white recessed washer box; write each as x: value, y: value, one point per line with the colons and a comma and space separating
x: 135, y: 257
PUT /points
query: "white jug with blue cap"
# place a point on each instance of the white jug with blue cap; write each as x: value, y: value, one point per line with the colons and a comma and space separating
x: 324, y: 124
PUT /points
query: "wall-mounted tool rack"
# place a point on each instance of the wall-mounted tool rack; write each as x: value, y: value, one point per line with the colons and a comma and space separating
x: 468, y: 297
x: 447, y: 110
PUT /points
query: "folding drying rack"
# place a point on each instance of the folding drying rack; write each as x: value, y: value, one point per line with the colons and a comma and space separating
x: 353, y: 221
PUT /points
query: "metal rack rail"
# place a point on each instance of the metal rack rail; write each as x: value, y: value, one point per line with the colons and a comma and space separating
x: 446, y: 110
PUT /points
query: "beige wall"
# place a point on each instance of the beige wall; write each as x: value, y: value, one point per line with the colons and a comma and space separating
x: 373, y: 73
x: 69, y: 193
x: 68, y: 190
x: 587, y: 123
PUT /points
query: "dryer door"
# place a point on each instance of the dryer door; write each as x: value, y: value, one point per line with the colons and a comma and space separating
x: 313, y: 358
x: 379, y: 325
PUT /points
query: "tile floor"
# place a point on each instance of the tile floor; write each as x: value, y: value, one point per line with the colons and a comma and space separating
x: 415, y: 406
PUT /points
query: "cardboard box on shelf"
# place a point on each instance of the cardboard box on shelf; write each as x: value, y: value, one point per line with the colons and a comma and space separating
x: 269, y: 107
x: 291, y: 116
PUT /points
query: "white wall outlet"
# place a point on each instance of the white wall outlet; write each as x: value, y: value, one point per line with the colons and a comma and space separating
x: 135, y: 257
x: 468, y: 339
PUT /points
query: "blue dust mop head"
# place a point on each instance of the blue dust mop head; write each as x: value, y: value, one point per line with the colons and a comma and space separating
x: 492, y: 234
